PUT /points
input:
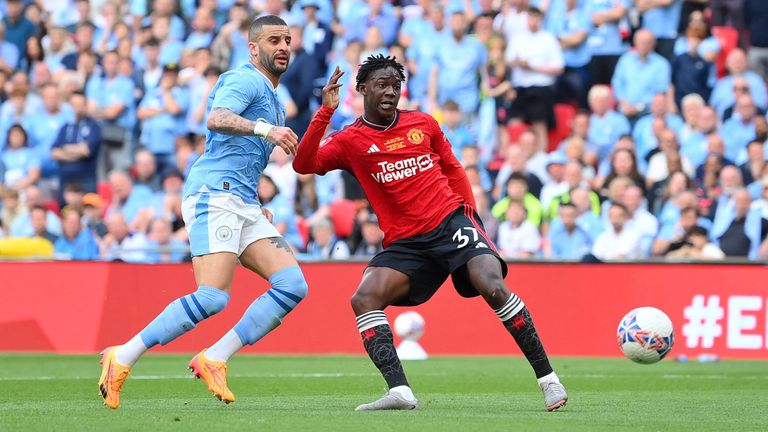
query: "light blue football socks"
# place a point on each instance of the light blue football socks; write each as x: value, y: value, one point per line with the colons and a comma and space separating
x: 264, y: 314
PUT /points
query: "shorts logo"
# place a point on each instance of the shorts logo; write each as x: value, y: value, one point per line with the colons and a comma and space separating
x: 415, y: 136
x: 223, y: 233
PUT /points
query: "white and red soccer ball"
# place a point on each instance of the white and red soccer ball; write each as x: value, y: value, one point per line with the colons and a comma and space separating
x: 409, y: 325
x: 645, y: 335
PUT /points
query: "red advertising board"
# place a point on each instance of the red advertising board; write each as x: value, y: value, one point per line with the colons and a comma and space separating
x: 71, y: 307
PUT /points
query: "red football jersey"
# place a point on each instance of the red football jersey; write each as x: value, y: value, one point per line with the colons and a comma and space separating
x: 407, y: 170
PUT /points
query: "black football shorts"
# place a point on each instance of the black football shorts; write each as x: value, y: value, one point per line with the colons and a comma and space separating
x: 429, y: 258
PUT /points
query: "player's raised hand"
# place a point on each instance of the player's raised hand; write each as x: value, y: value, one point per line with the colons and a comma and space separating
x: 284, y: 138
x: 331, y: 90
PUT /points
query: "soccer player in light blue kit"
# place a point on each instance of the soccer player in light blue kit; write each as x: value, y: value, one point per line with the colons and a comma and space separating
x: 225, y: 220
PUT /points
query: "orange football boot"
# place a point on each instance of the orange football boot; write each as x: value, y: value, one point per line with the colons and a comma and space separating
x: 113, y: 376
x: 214, y: 374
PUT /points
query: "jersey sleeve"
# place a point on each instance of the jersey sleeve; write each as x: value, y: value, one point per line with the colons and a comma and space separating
x: 235, y: 92
x: 457, y: 177
x: 319, y: 155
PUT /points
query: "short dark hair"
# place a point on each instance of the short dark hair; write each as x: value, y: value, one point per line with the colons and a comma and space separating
x: 254, y: 31
x: 516, y: 176
x: 693, y: 210
x: 697, y: 230
x: 376, y: 62
x: 568, y: 204
x: 450, y: 105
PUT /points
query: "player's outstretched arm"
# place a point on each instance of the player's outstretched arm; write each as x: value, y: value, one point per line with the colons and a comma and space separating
x: 225, y: 121
x: 306, y: 160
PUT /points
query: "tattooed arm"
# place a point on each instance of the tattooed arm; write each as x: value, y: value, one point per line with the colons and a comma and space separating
x: 224, y: 121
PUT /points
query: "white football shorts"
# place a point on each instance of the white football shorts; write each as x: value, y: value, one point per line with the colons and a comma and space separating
x: 222, y: 222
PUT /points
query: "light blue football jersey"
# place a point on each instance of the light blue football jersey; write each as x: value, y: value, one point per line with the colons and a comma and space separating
x: 233, y: 163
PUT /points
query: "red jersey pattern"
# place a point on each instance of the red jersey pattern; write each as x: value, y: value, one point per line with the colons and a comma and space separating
x: 407, y: 170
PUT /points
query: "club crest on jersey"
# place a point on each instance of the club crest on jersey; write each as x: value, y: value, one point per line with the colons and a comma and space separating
x: 415, y: 136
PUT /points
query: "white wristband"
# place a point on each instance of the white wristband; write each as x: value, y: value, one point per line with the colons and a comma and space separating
x: 262, y: 128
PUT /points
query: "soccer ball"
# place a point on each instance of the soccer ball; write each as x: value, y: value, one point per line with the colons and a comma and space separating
x: 645, y: 335
x: 409, y: 325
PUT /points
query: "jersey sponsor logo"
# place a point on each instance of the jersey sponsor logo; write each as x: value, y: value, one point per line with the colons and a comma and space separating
x: 373, y: 149
x: 393, y: 171
x: 394, y: 144
x: 415, y: 136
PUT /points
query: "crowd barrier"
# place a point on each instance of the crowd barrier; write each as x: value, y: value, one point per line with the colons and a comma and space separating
x: 81, y: 307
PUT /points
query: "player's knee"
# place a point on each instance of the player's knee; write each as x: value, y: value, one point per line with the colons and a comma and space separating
x: 364, y: 301
x: 211, y: 300
x: 291, y: 283
x: 491, y: 286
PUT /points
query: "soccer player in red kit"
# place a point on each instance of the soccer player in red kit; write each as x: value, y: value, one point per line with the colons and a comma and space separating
x: 425, y: 206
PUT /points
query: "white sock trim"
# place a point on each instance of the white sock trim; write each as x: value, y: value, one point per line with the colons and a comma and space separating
x: 225, y: 348
x: 371, y: 319
x: 552, y: 377
x: 128, y: 353
x: 510, y: 308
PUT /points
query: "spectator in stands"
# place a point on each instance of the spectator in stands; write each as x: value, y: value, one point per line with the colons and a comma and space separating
x: 753, y: 168
x: 643, y: 131
x: 605, y: 124
x: 690, y: 107
x: 515, y: 162
x: 299, y: 80
x: 677, y: 219
x: 623, y: 164
x: 674, y: 184
x: 738, y: 229
x: 605, y: 41
x: 44, y: 127
x: 618, y: 241
x: 127, y: 199
x: 697, y: 246
x: 573, y: 178
x: 38, y: 215
x: 372, y: 237
x: 661, y: 19
x: 202, y: 25
x: 83, y: 44
x: 470, y: 159
x: 324, y: 244
x: 376, y: 15
x: 162, y: 247
x: 162, y: 112
x: 10, y: 209
x: 459, y: 61
x: 588, y: 211
x: 56, y: 45
x: 9, y: 53
x: 668, y: 159
x: 17, y: 27
x: 574, y: 150
x: 146, y: 170
x: 121, y: 243
x: 93, y: 212
x: 75, y: 242
x: 695, y: 145
x: 421, y: 56
x: 691, y: 71
x: 317, y: 37
x: 556, y: 185
x: 111, y: 101
x: 537, y: 60
x: 518, y: 237
x: 572, y: 30
x: 739, y: 130
x: 723, y: 94
x: 756, y: 16
x: 21, y: 163
x: 458, y: 135
x: 729, y: 13
x: 517, y: 190
x: 77, y: 146
x: 639, y: 217
x: 565, y: 238
x: 72, y: 197
x: 639, y: 75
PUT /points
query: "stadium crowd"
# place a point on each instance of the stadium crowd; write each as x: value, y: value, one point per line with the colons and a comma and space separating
x: 589, y: 129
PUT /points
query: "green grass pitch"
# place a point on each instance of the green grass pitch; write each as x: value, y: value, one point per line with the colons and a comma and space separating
x: 53, y: 392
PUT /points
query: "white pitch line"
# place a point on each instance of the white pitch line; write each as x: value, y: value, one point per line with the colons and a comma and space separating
x: 190, y: 376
